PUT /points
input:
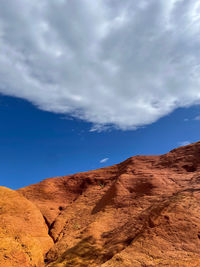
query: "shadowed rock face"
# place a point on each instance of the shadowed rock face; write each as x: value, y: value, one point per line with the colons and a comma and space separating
x: 144, y: 211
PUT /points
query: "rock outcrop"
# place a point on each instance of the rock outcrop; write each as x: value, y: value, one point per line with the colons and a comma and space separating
x: 144, y: 211
x: 24, y: 238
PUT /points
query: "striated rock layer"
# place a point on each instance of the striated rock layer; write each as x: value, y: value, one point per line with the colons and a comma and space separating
x: 144, y: 211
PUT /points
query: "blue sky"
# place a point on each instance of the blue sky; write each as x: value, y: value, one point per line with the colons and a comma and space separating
x: 85, y: 84
x: 36, y: 144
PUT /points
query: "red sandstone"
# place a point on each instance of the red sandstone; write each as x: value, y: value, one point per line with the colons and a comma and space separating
x: 144, y: 211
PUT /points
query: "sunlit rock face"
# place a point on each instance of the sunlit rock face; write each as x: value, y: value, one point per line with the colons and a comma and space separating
x: 24, y: 238
x: 144, y: 211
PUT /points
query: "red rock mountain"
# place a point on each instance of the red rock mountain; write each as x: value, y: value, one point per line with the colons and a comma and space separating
x: 144, y: 211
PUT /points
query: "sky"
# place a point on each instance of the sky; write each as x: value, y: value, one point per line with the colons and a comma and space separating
x: 86, y: 84
x: 36, y: 144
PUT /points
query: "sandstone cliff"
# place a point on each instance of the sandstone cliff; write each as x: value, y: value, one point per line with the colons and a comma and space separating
x: 144, y: 211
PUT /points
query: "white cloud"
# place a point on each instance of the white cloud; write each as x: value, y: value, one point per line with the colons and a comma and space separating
x: 184, y: 143
x: 197, y: 118
x: 112, y: 63
x: 104, y: 160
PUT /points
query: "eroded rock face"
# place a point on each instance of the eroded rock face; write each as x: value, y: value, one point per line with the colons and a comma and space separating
x: 24, y: 238
x: 144, y: 211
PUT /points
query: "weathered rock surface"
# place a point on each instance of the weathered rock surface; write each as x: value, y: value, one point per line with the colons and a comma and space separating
x: 24, y: 238
x: 144, y: 211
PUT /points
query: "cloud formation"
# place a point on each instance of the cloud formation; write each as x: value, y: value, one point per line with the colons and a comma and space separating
x: 112, y: 63
x: 184, y: 143
x: 197, y: 118
x: 104, y: 160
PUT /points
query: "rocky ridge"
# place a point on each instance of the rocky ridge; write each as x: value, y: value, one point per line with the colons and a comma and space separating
x: 144, y: 211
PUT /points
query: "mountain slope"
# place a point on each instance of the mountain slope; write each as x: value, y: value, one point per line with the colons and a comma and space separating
x: 142, y: 212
